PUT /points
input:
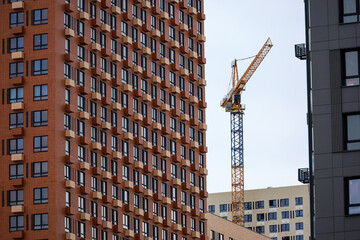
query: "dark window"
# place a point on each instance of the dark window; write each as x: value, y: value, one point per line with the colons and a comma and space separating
x: 39, y: 169
x: 40, y: 41
x: 273, y: 228
x: 40, y: 92
x: 16, y: 69
x: 39, y: 118
x: 16, y: 171
x: 16, y: 95
x: 299, y: 213
x: 16, y: 145
x: 39, y: 67
x: 40, y: 16
x: 16, y: 44
x: 260, y: 217
x: 299, y: 201
x: 299, y: 226
x: 16, y: 197
x: 16, y: 223
x: 40, y: 195
x: 352, y: 197
x: 40, y: 221
x: 16, y: 120
x: 272, y: 203
x: 16, y: 19
x: 285, y: 214
x: 260, y: 229
x: 41, y: 144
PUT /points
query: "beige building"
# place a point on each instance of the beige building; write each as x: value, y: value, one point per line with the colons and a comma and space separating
x: 281, y: 213
x: 222, y: 229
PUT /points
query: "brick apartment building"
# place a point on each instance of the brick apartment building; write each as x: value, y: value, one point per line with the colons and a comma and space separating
x: 102, y: 119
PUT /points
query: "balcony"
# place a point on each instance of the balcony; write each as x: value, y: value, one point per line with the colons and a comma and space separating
x: 203, y: 126
x: 96, y: 195
x: 69, y: 83
x: 83, y: 15
x: 174, y: 44
x: 95, y: 47
x: 194, y: 100
x: 165, y: 107
x: 129, y: 233
x: 105, y: 27
x: 17, y: 106
x: 84, y: 166
x: 166, y: 201
x: 164, y: 61
x: 69, y: 32
x: 184, y: 117
x: 116, y: 203
x: 193, y: 55
x: 17, y: 157
x: 17, y: 55
x: 95, y: 146
x: 139, y: 212
x: 17, y: 209
x: 115, y: 10
x: 158, y: 219
x: 202, y: 82
x: 84, y: 115
x: 84, y: 216
x: 147, y: 145
x: 157, y: 173
x: 69, y: 134
x: 115, y: 57
x: 184, y: 72
x: 127, y: 40
x: 17, y: 5
x: 201, y: 38
x: 145, y: 5
x: 164, y: 16
x: 128, y: 185
x: 106, y: 175
x: 175, y: 135
x: 148, y: 193
x: 155, y: 79
x: 176, y: 182
x: 184, y: 27
x: 70, y: 236
x: 106, y: 225
x: 139, y: 165
x: 185, y: 209
x: 155, y: 33
x: 116, y: 155
x: 84, y: 65
x: 69, y: 184
x: 185, y: 163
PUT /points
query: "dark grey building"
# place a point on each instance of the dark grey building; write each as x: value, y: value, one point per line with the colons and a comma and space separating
x: 334, y: 61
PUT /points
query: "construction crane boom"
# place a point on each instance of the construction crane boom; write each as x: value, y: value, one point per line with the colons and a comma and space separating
x: 232, y: 103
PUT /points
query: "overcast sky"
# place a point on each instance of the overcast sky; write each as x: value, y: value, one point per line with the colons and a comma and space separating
x: 275, y: 131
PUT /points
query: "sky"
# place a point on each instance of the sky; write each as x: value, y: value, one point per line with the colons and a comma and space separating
x: 275, y: 130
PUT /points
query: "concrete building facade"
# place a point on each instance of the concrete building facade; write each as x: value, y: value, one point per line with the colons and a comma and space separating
x: 222, y: 229
x: 278, y: 213
x: 103, y: 129
x: 334, y: 44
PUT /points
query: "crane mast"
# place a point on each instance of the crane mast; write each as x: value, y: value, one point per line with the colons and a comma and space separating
x: 232, y: 103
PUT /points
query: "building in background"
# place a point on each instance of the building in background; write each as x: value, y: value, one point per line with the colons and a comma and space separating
x: 278, y: 213
x: 222, y: 229
x: 102, y: 119
x: 333, y: 64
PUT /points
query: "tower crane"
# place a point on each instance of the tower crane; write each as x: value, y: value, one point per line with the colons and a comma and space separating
x: 232, y: 103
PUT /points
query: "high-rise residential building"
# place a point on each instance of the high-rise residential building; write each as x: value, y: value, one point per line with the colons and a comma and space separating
x: 333, y: 45
x: 278, y: 213
x: 103, y: 119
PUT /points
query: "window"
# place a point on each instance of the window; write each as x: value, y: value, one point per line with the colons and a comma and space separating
x: 273, y: 228
x: 81, y: 230
x: 40, y: 16
x: 39, y: 67
x: 16, y: 145
x: 351, y: 68
x: 16, y: 171
x: 16, y: 120
x: 16, y: 69
x: 16, y: 44
x: 40, y: 221
x: 16, y: 95
x: 299, y: 201
x: 259, y: 204
x: 39, y: 118
x: 272, y: 216
x: 299, y: 226
x: 16, y: 197
x: 40, y: 92
x: 284, y: 202
x: 260, y: 217
x: 299, y: 213
x: 223, y: 207
x: 299, y: 237
x: 285, y: 215
x: 352, y: 197
x: 16, y: 19
x: 248, y: 218
x: 40, y: 195
x: 68, y: 224
x: 39, y: 169
x: 40, y: 41
x: 41, y: 144
x: 353, y: 132
x: 260, y: 229
x: 272, y: 203
x: 285, y: 227
x: 16, y: 223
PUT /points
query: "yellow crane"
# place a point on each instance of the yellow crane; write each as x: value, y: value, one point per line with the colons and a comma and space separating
x: 232, y: 103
